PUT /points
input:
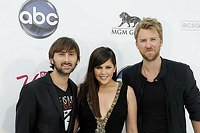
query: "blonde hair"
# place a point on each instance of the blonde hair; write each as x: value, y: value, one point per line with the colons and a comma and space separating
x: 149, y: 23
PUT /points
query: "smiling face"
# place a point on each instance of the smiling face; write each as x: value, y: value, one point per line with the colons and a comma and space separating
x: 64, y: 62
x: 149, y: 43
x: 104, y: 72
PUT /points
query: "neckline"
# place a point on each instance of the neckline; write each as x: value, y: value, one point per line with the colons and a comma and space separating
x: 101, y: 122
x: 113, y: 102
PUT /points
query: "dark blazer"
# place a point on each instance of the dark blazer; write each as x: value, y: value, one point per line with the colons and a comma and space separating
x: 38, y: 109
x: 181, y: 92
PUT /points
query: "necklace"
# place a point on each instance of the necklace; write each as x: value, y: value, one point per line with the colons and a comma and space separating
x: 150, y: 79
x: 144, y: 72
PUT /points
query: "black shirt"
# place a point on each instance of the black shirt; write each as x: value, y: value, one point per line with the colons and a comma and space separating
x: 154, y: 116
x: 66, y: 101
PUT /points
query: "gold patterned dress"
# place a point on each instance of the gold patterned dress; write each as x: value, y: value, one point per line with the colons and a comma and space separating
x: 114, y: 120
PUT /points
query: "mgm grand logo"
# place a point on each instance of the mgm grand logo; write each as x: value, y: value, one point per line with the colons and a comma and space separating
x: 127, y: 24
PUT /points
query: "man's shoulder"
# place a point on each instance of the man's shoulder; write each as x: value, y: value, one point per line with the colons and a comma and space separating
x: 37, y: 83
x: 175, y: 64
x: 132, y: 68
x: 72, y: 83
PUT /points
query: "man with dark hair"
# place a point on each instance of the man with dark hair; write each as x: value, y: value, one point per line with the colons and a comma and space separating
x: 49, y: 104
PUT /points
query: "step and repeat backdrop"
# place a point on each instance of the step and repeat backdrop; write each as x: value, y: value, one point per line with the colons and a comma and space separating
x: 28, y: 28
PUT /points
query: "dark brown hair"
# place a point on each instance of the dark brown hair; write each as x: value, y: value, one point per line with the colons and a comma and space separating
x: 90, y: 86
x: 63, y: 43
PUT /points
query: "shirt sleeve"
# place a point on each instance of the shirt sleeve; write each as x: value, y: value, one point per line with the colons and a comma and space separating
x: 192, y: 96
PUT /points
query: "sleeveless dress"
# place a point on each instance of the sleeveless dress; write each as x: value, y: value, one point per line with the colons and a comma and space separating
x: 115, y: 123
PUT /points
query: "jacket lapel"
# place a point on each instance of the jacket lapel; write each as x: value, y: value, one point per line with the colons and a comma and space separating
x: 52, y: 90
x: 73, y: 88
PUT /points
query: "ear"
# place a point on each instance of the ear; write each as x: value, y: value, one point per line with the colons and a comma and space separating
x: 51, y: 60
x: 115, y: 69
x: 77, y: 62
x: 161, y: 43
x: 136, y: 44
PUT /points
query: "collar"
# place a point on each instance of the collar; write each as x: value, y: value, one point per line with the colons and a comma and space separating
x: 161, y: 74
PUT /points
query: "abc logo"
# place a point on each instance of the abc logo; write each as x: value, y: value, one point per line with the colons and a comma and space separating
x: 38, y: 18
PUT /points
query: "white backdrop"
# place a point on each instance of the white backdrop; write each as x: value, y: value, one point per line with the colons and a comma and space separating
x: 91, y: 24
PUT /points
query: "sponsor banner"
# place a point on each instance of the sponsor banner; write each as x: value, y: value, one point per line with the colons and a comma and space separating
x: 38, y: 18
x: 191, y: 25
x: 126, y: 27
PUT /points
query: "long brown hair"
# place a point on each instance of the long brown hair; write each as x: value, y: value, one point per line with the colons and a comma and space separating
x: 90, y: 86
